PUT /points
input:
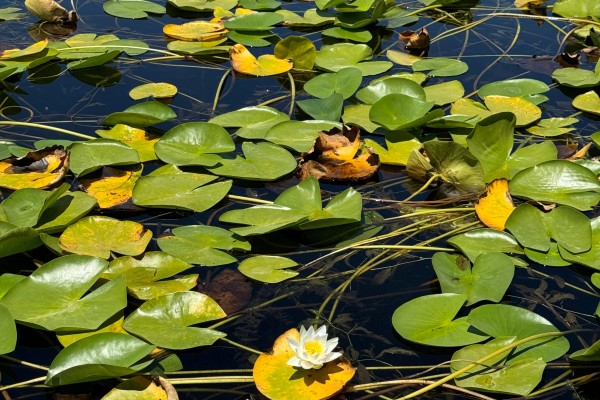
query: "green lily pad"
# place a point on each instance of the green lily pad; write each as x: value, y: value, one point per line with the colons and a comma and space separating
x: 311, y: 18
x: 24, y: 207
x: 142, y: 115
x: 502, y: 320
x: 551, y: 257
x: 299, y: 136
x: 299, y: 49
x: 499, y: 374
x: 577, y: 9
x: 180, y: 190
x: 526, y: 112
x: 102, y: 356
x: 400, y: 145
x: 534, y: 229
x: 147, y: 277
x: 94, y: 154
x: 263, y: 162
x: 329, y: 108
x: 10, y: 13
x: 590, y: 354
x: 260, y: 5
x: 345, y: 82
x: 558, y: 181
x: 132, y: 8
x: 551, y: 127
x: 157, y: 90
x: 300, y: 206
x: 51, y: 297
x: 99, y: 236
x: 444, y: 93
x: 577, y: 77
x: 138, y: 139
x: 8, y: 331
x: 253, y: 121
x: 335, y: 57
x: 478, y: 241
x: 203, y: 5
x: 430, y: 320
x: 198, y: 48
x: 262, y: 21
x: 488, y: 278
x: 165, y: 320
x: 400, y: 112
x: 588, y: 102
x: 194, y: 143
x: 15, y: 240
x: 590, y: 258
x: 70, y: 207
x: 402, y: 58
x: 354, y: 35
x: 251, y: 38
x: 440, y: 66
x: 203, y: 245
x: 377, y: 90
x: 529, y: 89
x: 358, y: 114
x: 7, y: 281
x: 268, y: 269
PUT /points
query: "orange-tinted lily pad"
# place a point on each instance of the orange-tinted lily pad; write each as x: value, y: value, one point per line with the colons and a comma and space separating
x: 114, y: 188
x: 339, y: 155
x: 243, y: 61
x: 495, y: 206
x: 279, y: 381
x: 38, y: 169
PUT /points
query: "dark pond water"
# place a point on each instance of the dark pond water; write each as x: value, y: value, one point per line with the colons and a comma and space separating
x: 502, y: 48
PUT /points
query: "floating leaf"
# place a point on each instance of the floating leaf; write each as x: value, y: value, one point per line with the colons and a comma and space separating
x: 440, y: 66
x: 253, y: 121
x: 499, y: 374
x: 165, y: 320
x: 335, y: 57
x: 577, y: 77
x: 194, y: 143
x: 276, y: 379
x: 102, y: 356
x: 70, y: 207
x: 495, y: 206
x: 196, y: 31
x: 25, y: 206
x: 114, y: 188
x: 203, y: 5
x: 430, y: 320
x: 502, y: 320
x: 268, y: 269
x: 588, y: 102
x: 298, y: 135
x: 14, y: 239
x: 160, y: 90
x: 382, y: 87
x: 94, y: 154
x: 478, y: 241
x: 138, y: 139
x: 528, y: 89
x: 400, y: 112
x: 51, y: 297
x: 137, y: 388
x: 444, y: 93
x: 9, y: 14
x: 400, y: 145
x: 402, y: 58
x: 354, y: 35
x: 203, y: 245
x: 488, y: 278
x: 578, y: 9
x: 132, y: 8
x: 263, y: 162
x: 244, y: 62
x: 180, y: 190
x: 590, y: 354
x: 551, y: 127
x: 198, y: 48
x: 298, y: 49
x: 141, y: 115
x: 37, y: 169
x: 262, y: 21
x: 559, y: 181
x: 8, y: 331
x: 310, y: 18
x: 328, y: 109
x: 113, y: 324
x: 147, y: 277
x: 525, y: 111
x: 345, y: 82
x: 99, y: 236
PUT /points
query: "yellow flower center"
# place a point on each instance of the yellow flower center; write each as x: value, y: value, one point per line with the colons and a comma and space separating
x: 313, y: 347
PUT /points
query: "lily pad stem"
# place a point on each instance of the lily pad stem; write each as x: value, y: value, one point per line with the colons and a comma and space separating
x: 24, y: 383
x: 574, y: 381
x: 220, y: 88
x: 26, y: 363
x: 241, y: 346
x: 211, y: 380
x: 47, y: 127
x: 248, y: 199
x: 293, y: 93
x: 422, y: 188
x: 404, y: 382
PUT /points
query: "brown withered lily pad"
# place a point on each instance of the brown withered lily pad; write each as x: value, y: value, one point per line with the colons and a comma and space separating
x: 230, y: 289
x: 415, y: 40
x: 38, y: 169
x: 339, y: 155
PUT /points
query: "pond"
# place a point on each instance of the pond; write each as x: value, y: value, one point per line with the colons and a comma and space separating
x: 446, y: 234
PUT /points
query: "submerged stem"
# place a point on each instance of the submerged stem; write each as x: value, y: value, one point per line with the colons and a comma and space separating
x: 48, y: 128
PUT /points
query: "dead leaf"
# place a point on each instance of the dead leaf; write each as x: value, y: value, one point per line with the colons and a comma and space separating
x: 266, y: 65
x: 495, y: 206
x: 415, y: 40
x: 580, y: 154
x: 230, y: 289
x: 38, y: 169
x: 566, y: 150
x: 51, y: 11
x: 339, y: 155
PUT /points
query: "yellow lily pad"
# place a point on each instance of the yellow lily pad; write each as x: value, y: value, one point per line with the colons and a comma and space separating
x: 137, y: 388
x: 114, y: 188
x: 526, y: 112
x: 138, y: 139
x: 158, y: 90
x: 243, y: 61
x: 35, y: 48
x: 195, y: 31
x: 588, y: 102
x: 279, y: 381
x: 99, y: 236
x: 38, y: 169
x: 114, y: 324
x: 495, y: 206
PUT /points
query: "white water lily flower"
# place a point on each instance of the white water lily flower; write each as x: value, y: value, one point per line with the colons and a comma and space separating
x: 313, y: 350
